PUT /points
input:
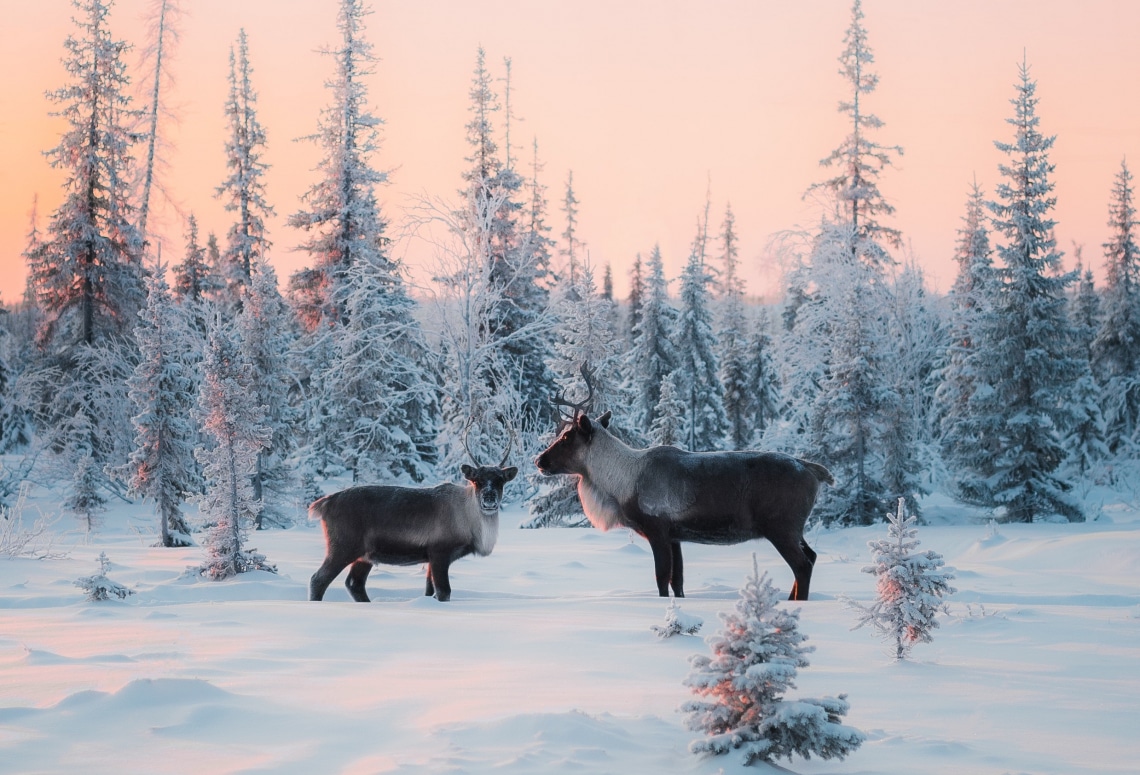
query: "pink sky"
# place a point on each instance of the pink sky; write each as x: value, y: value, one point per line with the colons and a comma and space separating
x: 646, y: 101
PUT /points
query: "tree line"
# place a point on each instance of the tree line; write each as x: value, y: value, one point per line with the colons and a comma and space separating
x: 125, y: 374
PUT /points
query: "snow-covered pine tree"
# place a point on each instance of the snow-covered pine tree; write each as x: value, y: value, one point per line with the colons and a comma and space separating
x: 849, y: 416
x: 742, y: 685
x: 243, y: 190
x: 84, y: 498
x: 914, y: 340
x: 763, y: 381
x: 585, y: 336
x: 967, y: 419
x: 195, y: 284
x: 341, y: 216
x: 636, y: 297
x: 1086, y: 440
x: 858, y: 159
x: 163, y: 19
x: 1032, y: 339
x: 229, y: 412
x: 87, y: 270
x: 1116, y: 347
x: 1084, y: 307
x: 705, y: 422
x: 653, y: 355
x: 670, y: 415
x: 495, y: 319
x: 574, y: 246
x: 267, y: 330
x: 732, y: 343
x: 380, y: 381
x: 162, y: 465
x: 911, y: 586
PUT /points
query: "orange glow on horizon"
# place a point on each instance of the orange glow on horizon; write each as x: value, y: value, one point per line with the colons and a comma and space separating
x: 647, y: 102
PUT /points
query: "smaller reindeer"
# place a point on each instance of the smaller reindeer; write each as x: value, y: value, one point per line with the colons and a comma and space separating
x: 390, y: 525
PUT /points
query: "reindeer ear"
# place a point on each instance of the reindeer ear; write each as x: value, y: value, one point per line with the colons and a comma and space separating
x: 509, y: 473
x: 585, y: 425
x: 604, y: 420
x: 468, y: 472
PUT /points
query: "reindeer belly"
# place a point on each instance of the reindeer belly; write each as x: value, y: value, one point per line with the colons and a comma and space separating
x: 712, y: 528
x: 397, y: 553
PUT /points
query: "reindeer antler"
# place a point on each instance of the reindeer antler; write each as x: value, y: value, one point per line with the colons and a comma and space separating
x: 581, y: 406
x: 466, y: 434
x: 510, y: 439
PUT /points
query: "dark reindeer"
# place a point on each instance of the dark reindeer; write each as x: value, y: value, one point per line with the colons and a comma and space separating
x: 390, y: 525
x: 668, y: 495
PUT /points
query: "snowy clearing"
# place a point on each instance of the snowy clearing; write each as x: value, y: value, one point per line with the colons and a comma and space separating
x: 545, y: 661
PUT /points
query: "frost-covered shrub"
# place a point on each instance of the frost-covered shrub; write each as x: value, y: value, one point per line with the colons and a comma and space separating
x: 677, y: 622
x: 753, y: 663
x: 99, y: 587
x: 911, y: 586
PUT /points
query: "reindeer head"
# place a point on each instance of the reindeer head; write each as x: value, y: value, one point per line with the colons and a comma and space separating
x: 488, y: 480
x: 567, y: 454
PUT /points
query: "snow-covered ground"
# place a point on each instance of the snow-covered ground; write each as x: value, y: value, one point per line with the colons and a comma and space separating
x: 544, y: 660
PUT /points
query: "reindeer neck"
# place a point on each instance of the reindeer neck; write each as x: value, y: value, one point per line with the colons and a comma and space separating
x: 611, y: 465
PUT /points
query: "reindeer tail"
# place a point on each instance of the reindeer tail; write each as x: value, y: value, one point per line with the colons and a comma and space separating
x: 819, y: 472
x: 317, y: 508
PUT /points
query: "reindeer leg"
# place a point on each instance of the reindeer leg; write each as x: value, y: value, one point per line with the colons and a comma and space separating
x: 429, y: 587
x: 800, y: 558
x: 662, y: 561
x: 678, y: 576
x: 329, y: 570
x: 357, y: 575
x: 437, y: 567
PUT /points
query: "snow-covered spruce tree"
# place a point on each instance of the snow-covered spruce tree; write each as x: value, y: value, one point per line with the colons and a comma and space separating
x: 967, y: 419
x: 341, y: 214
x: 849, y: 414
x: 163, y: 18
x: 653, y: 355
x: 705, y: 423
x: 1034, y: 367
x: 914, y: 339
x: 162, y: 465
x: 670, y: 415
x: 912, y: 586
x: 267, y: 330
x: 243, y: 190
x: 572, y: 251
x: 585, y: 336
x: 518, y: 251
x: 230, y: 414
x: 87, y: 270
x: 194, y: 283
x: 1116, y: 347
x: 379, y: 381
x: 732, y: 343
x: 98, y: 587
x: 636, y: 298
x: 742, y: 685
x: 763, y: 380
x: 1084, y: 308
x: 858, y: 159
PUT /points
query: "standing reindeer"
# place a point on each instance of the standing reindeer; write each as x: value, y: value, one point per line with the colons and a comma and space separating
x: 390, y: 525
x: 668, y: 495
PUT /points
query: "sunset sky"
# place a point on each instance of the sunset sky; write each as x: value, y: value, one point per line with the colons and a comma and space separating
x: 647, y: 101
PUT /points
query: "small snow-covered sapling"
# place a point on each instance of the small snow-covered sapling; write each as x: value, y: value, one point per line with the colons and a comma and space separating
x: 753, y: 663
x: 677, y: 622
x: 99, y: 587
x: 911, y: 586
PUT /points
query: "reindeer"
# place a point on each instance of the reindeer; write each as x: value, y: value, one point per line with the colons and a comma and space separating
x: 390, y: 525
x: 668, y: 495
